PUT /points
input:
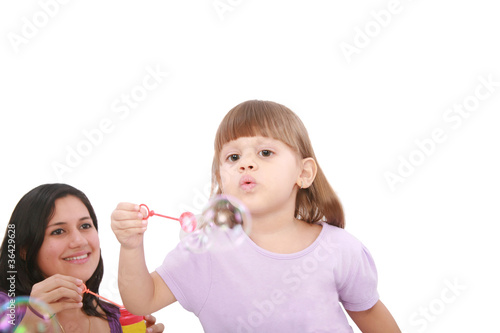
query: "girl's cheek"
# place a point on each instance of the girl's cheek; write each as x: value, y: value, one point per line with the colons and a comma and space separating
x: 227, y: 180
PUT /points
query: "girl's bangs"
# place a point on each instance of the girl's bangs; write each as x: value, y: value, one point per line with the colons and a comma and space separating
x: 258, y: 118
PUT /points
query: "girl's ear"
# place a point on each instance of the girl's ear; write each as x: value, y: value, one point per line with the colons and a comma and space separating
x: 309, y: 170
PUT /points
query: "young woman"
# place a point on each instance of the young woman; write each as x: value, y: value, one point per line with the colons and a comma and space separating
x: 55, y: 252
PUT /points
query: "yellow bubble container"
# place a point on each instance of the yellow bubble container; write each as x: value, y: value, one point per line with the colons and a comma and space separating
x: 132, y: 323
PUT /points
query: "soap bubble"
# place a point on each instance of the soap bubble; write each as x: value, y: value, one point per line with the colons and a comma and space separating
x: 223, y: 224
x: 188, y: 221
x: 228, y: 214
x: 10, y: 314
x: 197, y: 241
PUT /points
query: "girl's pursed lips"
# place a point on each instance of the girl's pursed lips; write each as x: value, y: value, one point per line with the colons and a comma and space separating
x: 247, y: 179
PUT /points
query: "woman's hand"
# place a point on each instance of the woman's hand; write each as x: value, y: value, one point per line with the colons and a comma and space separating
x: 150, y: 324
x: 60, y: 292
x: 128, y: 225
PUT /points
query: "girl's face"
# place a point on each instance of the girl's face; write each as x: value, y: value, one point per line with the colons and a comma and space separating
x: 261, y: 172
x: 71, y: 243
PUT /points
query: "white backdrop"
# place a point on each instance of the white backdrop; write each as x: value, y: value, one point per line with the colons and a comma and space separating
x: 122, y: 100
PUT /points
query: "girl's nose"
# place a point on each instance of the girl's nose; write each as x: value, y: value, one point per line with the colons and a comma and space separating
x: 248, y: 167
x: 247, y: 164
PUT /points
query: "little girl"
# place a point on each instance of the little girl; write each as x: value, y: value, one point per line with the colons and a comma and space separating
x: 296, y: 266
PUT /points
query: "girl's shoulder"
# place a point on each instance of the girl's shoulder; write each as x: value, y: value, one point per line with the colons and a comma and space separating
x: 332, y: 231
x: 341, y: 239
x: 353, y: 260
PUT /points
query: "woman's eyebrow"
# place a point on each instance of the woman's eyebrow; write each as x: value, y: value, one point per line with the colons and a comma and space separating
x: 61, y: 223
x: 56, y: 224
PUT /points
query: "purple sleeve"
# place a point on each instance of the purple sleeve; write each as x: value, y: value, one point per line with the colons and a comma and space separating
x: 358, y: 291
x: 188, y: 276
x: 113, y: 318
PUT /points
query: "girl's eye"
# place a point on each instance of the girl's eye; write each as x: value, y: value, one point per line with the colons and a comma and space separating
x: 57, y: 232
x: 233, y: 157
x: 266, y: 153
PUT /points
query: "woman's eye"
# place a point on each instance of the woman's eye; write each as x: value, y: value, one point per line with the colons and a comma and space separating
x: 86, y: 226
x: 233, y: 157
x: 265, y: 153
x: 57, y: 232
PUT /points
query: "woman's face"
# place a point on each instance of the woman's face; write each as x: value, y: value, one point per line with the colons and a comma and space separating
x: 71, y: 243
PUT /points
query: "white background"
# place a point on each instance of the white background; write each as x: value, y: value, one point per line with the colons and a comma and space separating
x: 364, y: 112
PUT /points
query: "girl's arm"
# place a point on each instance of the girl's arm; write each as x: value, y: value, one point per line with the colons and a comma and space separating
x: 375, y: 320
x: 142, y: 293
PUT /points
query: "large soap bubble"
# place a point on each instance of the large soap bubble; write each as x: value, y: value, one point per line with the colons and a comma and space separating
x: 223, y: 224
x: 43, y: 322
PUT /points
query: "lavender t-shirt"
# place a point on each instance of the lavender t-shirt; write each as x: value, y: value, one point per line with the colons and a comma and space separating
x: 246, y: 289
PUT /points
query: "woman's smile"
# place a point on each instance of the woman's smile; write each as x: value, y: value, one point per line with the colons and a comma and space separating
x: 78, y: 258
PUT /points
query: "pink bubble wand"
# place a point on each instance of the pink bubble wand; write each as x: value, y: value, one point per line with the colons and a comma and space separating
x: 187, y: 219
x: 88, y: 291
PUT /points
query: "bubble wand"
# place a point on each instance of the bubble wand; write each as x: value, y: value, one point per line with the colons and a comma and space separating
x: 187, y: 219
x: 88, y: 291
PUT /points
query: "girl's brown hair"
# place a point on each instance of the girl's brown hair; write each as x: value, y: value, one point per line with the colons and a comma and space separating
x: 316, y: 203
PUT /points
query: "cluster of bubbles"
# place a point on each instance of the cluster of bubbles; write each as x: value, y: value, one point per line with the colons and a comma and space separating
x: 13, y: 312
x: 223, y: 224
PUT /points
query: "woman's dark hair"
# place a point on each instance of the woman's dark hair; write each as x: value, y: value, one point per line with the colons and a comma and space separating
x: 27, y: 226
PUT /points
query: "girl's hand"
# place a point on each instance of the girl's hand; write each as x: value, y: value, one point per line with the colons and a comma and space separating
x: 60, y: 292
x: 128, y: 225
x: 150, y: 324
